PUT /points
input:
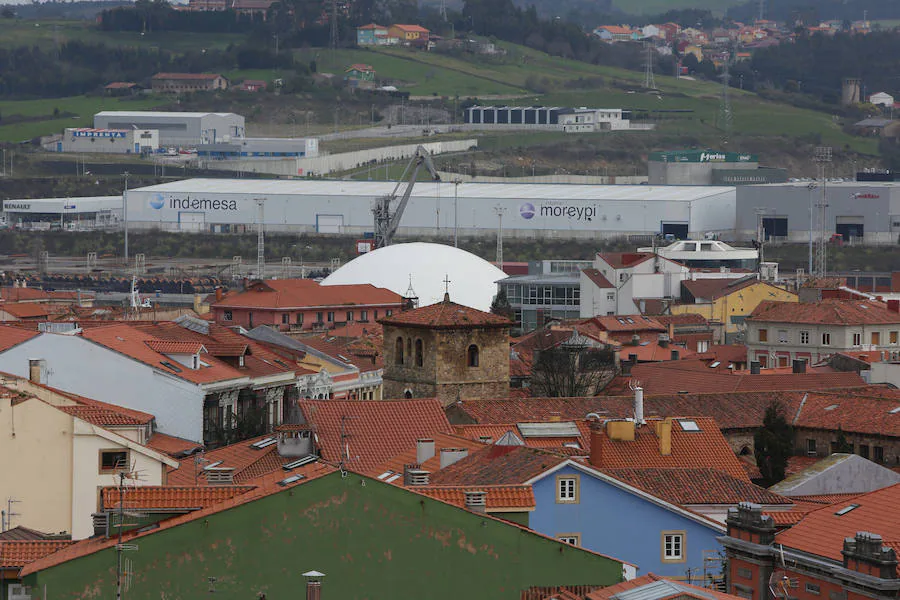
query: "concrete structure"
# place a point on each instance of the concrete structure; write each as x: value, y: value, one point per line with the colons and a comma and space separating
x: 882, y: 99
x: 178, y: 83
x: 532, y: 211
x: 550, y: 290
x: 109, y: 141
x: 87, y: 212
x: 860, y: 211
x: 696, y: 167
x: 446, y: 351
x: 58, y: 454
x: 549, y: 117
x: 259, y: 149
x: 187, y: 129
x: 708, y: 254
x: 837, y: 474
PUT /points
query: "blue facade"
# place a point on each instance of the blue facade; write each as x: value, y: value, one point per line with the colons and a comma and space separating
x: 365, y: 37
x: 616, y: 522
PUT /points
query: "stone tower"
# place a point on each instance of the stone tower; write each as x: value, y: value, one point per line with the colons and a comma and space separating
x: 446, y: 351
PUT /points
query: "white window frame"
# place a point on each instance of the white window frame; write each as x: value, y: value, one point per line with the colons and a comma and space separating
x: 567, y: 489
x: 673, y: 546
x: 804, y: 337
x: 826, y: 338
x: 573, y: 539
x: 857, y: 339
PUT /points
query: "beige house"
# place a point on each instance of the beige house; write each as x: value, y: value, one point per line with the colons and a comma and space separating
x: 779, y: 332
x: 60, y: 450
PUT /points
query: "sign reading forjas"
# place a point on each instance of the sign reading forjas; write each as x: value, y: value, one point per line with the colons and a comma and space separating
x: 572, y: 212
x: 188, y: 202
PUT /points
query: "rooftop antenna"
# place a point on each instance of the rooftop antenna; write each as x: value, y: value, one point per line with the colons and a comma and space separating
x: 649, y: 80
x: 345, y: 446
x: 123, y: 565
x: 726, y: 117
x: 823, y: 158
x: 500, y: 212
x: 260, y: 239
x: 8, y: 514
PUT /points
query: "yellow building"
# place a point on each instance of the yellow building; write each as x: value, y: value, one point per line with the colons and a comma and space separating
x: 58, y: 455
x: 725, y: 303
x: 408, y: 33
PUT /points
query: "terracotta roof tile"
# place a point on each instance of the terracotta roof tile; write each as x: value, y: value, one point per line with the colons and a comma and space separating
x: 171, y: 445
x: 597, y: 278
x: 25, y: 310
x: 621, y: 260
x: 21, y: 533
x: 825, y: 499
x: 688, y: 591
x: 11, y: 336
x: 175, y: 347
x: 446, y: 315
x: 696, y: 486
x: 822, y: 532
x: 501, y: 465
x: 418, y: 28
x: 629, y: 323
x: 375, y: 431
x: 397, y: 463
x: 498, y: 497
x: 248, y: 463
x: 286, y: 294
x: 825, y: 312
x: 15, y: 554
x: 713, y: 288
x: 147, y: 497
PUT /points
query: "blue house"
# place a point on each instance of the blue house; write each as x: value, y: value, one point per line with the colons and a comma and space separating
x: 585, y: 507
x: 371, y: 35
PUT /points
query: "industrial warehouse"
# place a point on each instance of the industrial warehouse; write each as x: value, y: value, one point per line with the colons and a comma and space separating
x: 857, y: 211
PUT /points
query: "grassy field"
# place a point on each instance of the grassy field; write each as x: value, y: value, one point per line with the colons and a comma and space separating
x: 81, y: 107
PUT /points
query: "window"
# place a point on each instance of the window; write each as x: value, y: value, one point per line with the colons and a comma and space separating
x: 804, y: 337
x: 893, y: 337
x: 472, y: 356
x: 826, y: 339
x: 331, y: 317
x: 567, y: 489
x: 112, y: 461
x: 573, y: 539
x: 812, y: 588
x: 764, y: 335
x: 388, y: 312
x: 420, y: 358
x: 876, y: 338
x: 878, y: 454
x: 864, y: 450
x: 398, y: 351
x: 319, y: 317
x: 227, y: 315
x: 745, y: 573
x: 349, y: 316
x: 782, y: 336
x: 673, y: 546
x: 857, y: 339
x: 299, y: 319
x: 702, y: 345
x: 610, y: 296
x: 811, y: 447
x: 375, y: 314
x: 364, y: 316
x: 285, y: 319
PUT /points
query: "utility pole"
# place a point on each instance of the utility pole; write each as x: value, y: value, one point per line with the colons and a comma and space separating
x: 649, y: 80
x: 726, y: 117
x: 822, y: 158
x: 500, y: 212
x: 125, y: 215
x: 812, y: 219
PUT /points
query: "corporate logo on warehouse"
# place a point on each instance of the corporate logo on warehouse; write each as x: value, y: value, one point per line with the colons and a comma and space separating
x: 157, y: 201
x: 576, y: 213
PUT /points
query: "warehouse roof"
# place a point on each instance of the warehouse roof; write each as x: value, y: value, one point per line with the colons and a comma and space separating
x: 160, y: 113
x: 372, y: 189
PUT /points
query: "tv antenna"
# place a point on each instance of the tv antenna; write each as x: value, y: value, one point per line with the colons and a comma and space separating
x: 7, y: 515
x: 124, y: 566
x: 345, y: 446
x: 822, y: 158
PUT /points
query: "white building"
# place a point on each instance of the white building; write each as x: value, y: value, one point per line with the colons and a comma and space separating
x: 882, y: 99
x: 345, y: 207
x: 708, y: 254
x: 185, y: 129
x: 88, y: 212
x: 636, y: 276
x: 547, y: 117
x: 109, y: 141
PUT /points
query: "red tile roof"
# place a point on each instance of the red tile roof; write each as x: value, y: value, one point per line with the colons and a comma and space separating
x: 292, y: 294
x: 360, y: 67
x: 706, y: 447
x: 11, y: 336
x: 701, y: 593
x: 171, y: 445
x: 418, y: 28
x: 408, y: 457
x: 622, y: 260
x: 825, y: 312
x: 175, y: 347
x: 15, y: 554
x: 498, y: 497
x: 502, y: 465
x: 446, y: 315
x: 248, y: 463
x: 628, y: 323
x: 21, y: 533
x: 696, y: 486
x: 147, y: 497
x: 597, y: 278
x: 120, y: 85
x: 371, y: 26
x: 186, y: 76
x: 25, y: 310
x: 375, y: 431
x: 822, y: 532
x: 713, y: 288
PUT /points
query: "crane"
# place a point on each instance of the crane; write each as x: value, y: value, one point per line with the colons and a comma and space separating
x: 387, y: 222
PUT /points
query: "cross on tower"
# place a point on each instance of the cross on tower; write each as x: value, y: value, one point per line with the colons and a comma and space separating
x: 446, y: 287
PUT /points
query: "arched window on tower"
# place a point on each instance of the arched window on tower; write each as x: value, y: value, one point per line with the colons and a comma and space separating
x: 409, y: 348
x: 420, y: 358
x: 398, y: 351
x: 472, y: 356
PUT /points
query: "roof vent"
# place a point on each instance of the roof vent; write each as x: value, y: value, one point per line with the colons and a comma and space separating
x: 220, y: 476
x: 476, y: 500
x: 413, y: 475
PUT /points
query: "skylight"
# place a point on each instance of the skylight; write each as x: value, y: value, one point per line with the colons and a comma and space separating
x: 894, y: 410
x: 299, y: 462
x: 385, y: 475
x: 846, y: 509
x: 393, y: 478
x: 832, y: 406
x: 689, y: 425
x: 289, y: 480
x: 714, y: 365
x: 166, y: 363
x: 263, y: 443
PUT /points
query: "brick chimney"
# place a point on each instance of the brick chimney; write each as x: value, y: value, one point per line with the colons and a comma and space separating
x: 313, y: 585
x: 664, y: 433
x: 746, y: 522
x: 219, y: 293
x: 867, y: 554
x: 893, y: 306
x: 476, y: 500
x: 663, y: 340
x: 596, y: 440
x: 424, y: 450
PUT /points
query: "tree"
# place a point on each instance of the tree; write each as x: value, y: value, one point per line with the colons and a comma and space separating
x: 774, y: 444
x: 842, y: 446
x: 500, y: 305
x: 570, y: 369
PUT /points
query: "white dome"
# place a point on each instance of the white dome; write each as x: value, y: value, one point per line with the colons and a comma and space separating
x: 472, y: 279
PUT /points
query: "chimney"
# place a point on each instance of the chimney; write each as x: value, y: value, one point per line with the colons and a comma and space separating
x: 413, y: 475
x: 313, y: 585
x: 799, y: 365
x: 664, y: 433
x: 424, y: 450
x: 294, y: 441
x: 748, y: 522
x: 635, y: 340
x: 754, y: 367
x: 219, y: 294
x: 663, y: 340
x: 620, y: 430
x: 632, y: 358
x: 893, y: 305
x: 476, y: 501
x: 35, y: 370
x: 452, y: 455
x: 596, y: 441
x: 866, y: 553
x: 676, y: 354
x: 639, y: 406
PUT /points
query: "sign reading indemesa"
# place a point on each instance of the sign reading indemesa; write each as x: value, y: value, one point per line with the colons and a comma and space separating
x: 188, y: 203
